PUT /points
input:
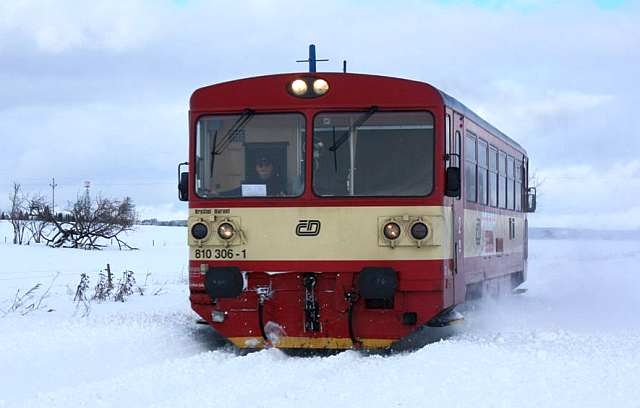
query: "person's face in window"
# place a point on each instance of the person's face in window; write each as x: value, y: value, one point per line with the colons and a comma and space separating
x: 264, y: 169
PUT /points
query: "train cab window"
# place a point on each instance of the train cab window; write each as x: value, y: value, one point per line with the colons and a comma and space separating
x: 502, y: 179
x: 470, y: 160
x: 250, y: 155
x: 373, y: 154
x: 510, y: 183
x: 493, y: 176
x: 482, y: 172
x: 518, y: 188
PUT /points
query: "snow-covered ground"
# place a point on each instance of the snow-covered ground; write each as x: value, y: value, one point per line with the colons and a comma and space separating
x: 572, y: 340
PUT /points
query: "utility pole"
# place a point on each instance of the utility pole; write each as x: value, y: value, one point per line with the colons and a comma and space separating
x: 53, y: 186
x: 87, y: 186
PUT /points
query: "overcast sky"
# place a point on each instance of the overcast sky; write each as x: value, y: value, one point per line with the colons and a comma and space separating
x: 99, y: 90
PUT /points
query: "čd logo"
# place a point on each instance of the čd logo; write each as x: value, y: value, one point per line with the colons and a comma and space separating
x: 308, y: 228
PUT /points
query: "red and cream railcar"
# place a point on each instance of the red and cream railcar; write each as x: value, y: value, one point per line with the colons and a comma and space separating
x: 335, y: 210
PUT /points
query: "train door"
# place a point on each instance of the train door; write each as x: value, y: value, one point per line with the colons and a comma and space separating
x: 459, y: 283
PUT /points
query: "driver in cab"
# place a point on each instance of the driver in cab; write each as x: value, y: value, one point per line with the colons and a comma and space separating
x: 265, y: 174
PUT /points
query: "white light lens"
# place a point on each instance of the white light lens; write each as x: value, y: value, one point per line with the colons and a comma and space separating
x: 299, y: 87
x: 391, y: 231
x: 320, y: 86
x: 226, y: 231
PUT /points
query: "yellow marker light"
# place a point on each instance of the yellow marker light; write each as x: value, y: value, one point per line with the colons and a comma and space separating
x: 299, y: 87
x: 226, y: 231
x: 320, y: 86
x: 391, y: 230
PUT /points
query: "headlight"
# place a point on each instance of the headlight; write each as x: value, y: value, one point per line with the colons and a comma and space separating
x: 226, y: 231
x: 199, y: 230
x: 320, y: 86
x: 391, y: 231
x: 419, y: 230
x: 308, y: 87
x: 299, y: 87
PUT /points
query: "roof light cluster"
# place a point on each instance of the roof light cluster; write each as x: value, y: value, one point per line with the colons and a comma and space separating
x: 308, y: 87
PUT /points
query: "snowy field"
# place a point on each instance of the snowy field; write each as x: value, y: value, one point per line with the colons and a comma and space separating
x: 573, y: 340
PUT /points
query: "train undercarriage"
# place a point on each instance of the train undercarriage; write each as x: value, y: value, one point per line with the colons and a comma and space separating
x: 375, y: 308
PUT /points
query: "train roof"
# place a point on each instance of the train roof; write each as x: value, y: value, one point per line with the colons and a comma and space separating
x: 458, y: 106
x: 202, y: 95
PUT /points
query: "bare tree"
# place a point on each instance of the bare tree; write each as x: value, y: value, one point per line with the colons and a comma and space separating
x: 17, y: 213
x: 39, y: 217
x: 91, y: 223
x: 535, y: 180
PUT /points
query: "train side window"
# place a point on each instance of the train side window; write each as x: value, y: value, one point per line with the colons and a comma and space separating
x: 493, y: 176
x: 470, y: 167
x: 518, y: 189
x: 502, y: 179
x: 510, y: 183
x: 457, y: 141
x: 482, y: 172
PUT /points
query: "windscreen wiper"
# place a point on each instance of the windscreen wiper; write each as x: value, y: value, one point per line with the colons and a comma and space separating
x: 335, y: 156
x: 213, y: 151
x: 345, y: 136
x: 240, y: 123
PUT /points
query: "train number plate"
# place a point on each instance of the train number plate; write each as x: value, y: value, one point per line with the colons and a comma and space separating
x: 219, y: 253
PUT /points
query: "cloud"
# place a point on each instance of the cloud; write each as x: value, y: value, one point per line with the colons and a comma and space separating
x: 99, y: 90
x: 164, y: 211
x: 129, y: 149
x: 515, y: 100
x: 562, y: 103
x: 559, y: 125
x: 589, y: 196
x: 55, y: 27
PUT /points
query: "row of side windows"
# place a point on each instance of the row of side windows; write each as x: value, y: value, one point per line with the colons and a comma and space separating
x: 491, y: 177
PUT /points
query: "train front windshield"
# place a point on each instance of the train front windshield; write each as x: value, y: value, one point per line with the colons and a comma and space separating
x: 250, y: 155
x: 369, y: 154
x: 373, y: 154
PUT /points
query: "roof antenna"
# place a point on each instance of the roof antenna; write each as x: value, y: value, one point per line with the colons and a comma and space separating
x: 312, y: 58
x: 344, y: 66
